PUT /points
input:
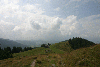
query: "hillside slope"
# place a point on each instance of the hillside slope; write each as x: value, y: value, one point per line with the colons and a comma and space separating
x: 62, y: 46
x: 56, y: 56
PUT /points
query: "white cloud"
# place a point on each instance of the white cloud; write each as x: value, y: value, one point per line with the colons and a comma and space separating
x: 12, y: 10
x: 27, y: 22
x: 48, y: 28
x: 33, y: 8
x: 16, y: 28
x: 41, y: 26
x: 5, y: 23
x: 68, y: 25
x: 5, y: 29
x: 91, y: 25
x: 56, y: 23
x: 88, y: 27
x: 57, y: 9
x: 29, y: 7
x: 9, y: 1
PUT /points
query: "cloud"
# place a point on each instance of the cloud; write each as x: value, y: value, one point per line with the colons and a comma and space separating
x: 57, y: 9
x: 9, y: 1
x: 13, y: 10
x: 87, y: 27
x: 5, y: 29
x: 68, y: 25
x: 16, y: 28
x: 35, y: 25
x: 56, y: 23
x: 33, y: 8
x: 91, y: 25
x: 54, y: 28
x: 42, y: 28
x: 21, y: 22
x: 24, y: 27
x: 2, y: 22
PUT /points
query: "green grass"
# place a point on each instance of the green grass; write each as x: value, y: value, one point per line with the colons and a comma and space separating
x: 22, y: 59
x: 61, y: 47
x: 84, y: 57
x: 36, y: 51
x: 59, y: 55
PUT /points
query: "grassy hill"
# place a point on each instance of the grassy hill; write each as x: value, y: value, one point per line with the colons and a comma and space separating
x: 58, y: 55
x: 64, y: 46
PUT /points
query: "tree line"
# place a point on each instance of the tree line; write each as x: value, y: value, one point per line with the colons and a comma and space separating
x: 77, y: 42
x: 7, y: 52
x: 45, y: 45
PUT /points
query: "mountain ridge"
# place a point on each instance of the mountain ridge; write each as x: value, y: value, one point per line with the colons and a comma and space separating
x: 10, y: 43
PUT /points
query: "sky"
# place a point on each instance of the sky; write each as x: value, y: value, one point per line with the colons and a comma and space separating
x: 50, y: 19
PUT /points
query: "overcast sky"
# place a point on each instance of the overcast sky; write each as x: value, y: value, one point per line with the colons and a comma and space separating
x: 49, y: 19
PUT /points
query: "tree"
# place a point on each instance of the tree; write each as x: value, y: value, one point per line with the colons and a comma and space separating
x: 25, y: 49
x: 8, y: 49
x: 19, y: 49
x: 49, y: 44
x: 6, y: 53
x: 77, y: 42
x: 43, y: 45
x: 14, y: 50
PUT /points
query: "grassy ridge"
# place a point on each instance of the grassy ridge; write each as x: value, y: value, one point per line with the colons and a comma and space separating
x: 64, y: 46
x: 22, y: 59
x: 85, y: 57
x: 59, y: 55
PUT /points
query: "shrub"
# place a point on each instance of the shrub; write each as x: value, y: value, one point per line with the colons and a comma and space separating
x: 38, y: 61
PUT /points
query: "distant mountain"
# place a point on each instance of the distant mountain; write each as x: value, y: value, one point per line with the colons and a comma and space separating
x: 32, y: 43
x: 26, y: 42
x: 10, y: 43
x: 35, y: 43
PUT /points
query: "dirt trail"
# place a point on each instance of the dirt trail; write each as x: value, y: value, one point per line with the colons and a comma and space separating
x: 33, y: 64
